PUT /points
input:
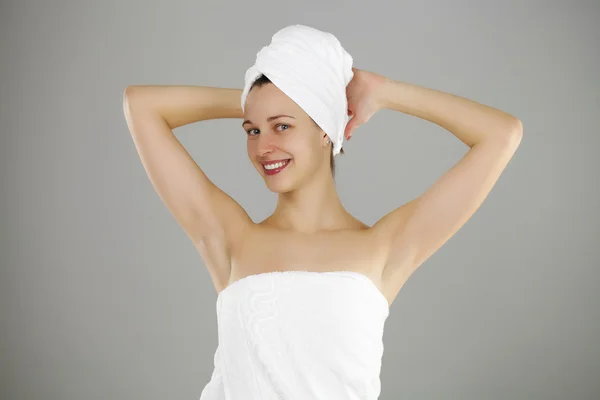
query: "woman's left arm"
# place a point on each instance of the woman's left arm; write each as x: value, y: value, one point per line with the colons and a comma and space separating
x: 419, y: 228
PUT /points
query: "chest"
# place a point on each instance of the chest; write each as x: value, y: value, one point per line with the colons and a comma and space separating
x: 267, y: 250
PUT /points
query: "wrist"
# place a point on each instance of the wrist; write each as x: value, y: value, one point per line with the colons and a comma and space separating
x: 384, y: 92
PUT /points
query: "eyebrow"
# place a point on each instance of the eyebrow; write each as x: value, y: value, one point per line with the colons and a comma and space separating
x: 269, y: 119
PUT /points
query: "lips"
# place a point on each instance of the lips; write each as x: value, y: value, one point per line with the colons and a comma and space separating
x: 275, y: 167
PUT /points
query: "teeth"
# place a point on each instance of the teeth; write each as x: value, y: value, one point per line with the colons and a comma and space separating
x: 276, y: 165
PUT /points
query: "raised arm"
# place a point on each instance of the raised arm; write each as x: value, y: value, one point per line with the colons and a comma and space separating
x: 210, y: 218
x: 419, y: 228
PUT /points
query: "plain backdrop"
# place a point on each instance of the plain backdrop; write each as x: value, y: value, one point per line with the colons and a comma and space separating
x: 102, y: 296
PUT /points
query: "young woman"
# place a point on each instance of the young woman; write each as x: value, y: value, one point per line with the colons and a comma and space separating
x: 303, y: 295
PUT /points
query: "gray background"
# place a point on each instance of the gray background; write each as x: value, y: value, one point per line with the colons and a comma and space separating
x: 103, y: 296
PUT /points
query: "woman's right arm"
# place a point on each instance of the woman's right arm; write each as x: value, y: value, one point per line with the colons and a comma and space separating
x: 210, y: 218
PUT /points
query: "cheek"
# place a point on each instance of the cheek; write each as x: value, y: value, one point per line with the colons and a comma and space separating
x: 251, y: 148
x: 252, y: 153
x: 305, y: 142
x: 306, y: 150
x: 307, y: 157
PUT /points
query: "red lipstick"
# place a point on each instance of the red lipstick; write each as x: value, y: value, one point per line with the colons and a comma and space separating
x: 275, y: 167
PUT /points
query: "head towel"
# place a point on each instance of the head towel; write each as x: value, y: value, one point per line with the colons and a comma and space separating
x: 312, y: 68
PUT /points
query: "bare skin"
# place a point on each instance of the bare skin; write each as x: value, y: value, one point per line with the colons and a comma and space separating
x: 310, y: 230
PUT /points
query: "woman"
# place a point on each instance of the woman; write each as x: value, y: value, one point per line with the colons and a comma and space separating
x: 304, y: 294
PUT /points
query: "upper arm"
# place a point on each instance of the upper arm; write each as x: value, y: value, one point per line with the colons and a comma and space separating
x: 419, y: 228
x: 207, y: 214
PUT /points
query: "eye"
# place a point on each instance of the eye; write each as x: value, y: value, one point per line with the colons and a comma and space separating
x: 250, y: 132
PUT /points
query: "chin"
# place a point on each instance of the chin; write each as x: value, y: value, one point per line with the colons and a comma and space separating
x: 279, y: 185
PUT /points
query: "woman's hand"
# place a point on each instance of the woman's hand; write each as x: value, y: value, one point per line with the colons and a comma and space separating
x: 363, y: 98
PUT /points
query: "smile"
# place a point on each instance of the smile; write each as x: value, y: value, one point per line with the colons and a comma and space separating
x: 272, y: 168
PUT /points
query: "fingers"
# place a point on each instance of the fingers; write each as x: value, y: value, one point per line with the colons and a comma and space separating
x: 352, y: 124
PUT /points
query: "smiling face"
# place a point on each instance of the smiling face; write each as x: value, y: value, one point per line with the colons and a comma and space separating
x: 284, y: 144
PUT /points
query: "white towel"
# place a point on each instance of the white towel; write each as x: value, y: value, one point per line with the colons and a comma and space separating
x: 312, y: 68
x: 299, y: 335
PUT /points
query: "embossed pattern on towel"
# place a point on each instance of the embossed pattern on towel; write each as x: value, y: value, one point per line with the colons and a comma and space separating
x: 299, y: 335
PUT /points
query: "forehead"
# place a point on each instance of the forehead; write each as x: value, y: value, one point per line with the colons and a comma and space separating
x: 269, y: 99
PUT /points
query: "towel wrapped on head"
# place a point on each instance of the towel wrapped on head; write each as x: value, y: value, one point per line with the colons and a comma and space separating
x: 312, y: 68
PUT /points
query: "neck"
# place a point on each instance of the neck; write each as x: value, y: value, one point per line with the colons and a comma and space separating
x: 314, y: 207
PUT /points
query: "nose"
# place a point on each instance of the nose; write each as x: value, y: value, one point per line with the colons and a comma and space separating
x: 266, y: 144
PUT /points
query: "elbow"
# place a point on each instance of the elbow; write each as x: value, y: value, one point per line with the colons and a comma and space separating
x: 134, y: 97
x: 132, y: 91
x: 129, y: 92
x: 131, y: 102
x: 127, y: 102
x: 514, y: 133
x: 509, y: 133
x: 517, y: 132
x: 517, y: 128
